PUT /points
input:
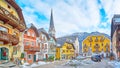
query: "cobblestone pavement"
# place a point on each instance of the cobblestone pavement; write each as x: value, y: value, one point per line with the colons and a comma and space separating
x: 59, y: 64
x: 102, y: 64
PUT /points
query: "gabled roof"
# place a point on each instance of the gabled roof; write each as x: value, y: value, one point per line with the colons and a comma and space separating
x: 42, y: 30
x: 31, y: 26
x: 72, y: 44
x: 116, y: 16
x: 63, y: 40
x: 18, y: 9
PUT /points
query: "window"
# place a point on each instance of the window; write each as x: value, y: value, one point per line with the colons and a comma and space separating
x: 29, y: 56
x: 45, y: 46
x: 9, y: 6
x: 66, y: 50
x: 25, y: 32
x: 14, y: 50
x: 90, y: 45
x: 96, y: 40
x: 41, y: 37
x: 28, y: 33
x: 102, y: 49
x: 56, y: 50
x: 26, y: 43
x: 15, y: 33
x: 33, y: 35
x: 37, y: 42
x: 102, y: 44
x: 44, y: 38
x: 33, y: 44
x: 3, y: 29
x: 42, y: 46
x: 117, y: 19
x: 63, y: 51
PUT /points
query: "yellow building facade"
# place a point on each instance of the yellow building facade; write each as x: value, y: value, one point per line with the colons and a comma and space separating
x: 12, y: 25
x: 58, y: 53
x: 98, y: 44
x: 66, y: 51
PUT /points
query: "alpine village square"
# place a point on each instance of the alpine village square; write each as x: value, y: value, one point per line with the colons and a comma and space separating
x: 25, y: 45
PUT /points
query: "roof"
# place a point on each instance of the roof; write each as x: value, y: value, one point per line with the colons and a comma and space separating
x: 51, y: 28
x: 116, y: 16
x: 18, y: 9
x: 42, y: 30
x: 53, y: 38
x: 113, y: 25
x: 31, y: 26
x: 72, y: 44
x: 63, y: 40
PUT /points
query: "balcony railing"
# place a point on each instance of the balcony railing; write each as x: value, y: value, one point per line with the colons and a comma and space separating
x: 15, y: 40
x: 69, y: 47
x: 31, y: 48
x: 8, y: 38
x: 4, y: 37
x: 12, y: 20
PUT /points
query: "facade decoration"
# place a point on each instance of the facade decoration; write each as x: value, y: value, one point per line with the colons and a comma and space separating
x: 12, y: 25
x: 43, y: 41
x: 66, y: 50
x: 30, y: 43
x: 96, y: 44
x: 115, y: 35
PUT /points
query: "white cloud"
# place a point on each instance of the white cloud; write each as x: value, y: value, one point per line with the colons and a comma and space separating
x: 71, y: 15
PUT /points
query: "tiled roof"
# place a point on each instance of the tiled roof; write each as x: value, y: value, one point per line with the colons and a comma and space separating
x: 31, y: 26
x: 42, y: 30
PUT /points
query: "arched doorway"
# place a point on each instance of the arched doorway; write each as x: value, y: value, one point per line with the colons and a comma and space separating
x: 4, y: 53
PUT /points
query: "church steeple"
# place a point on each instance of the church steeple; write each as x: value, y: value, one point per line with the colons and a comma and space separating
x: 51, y: 27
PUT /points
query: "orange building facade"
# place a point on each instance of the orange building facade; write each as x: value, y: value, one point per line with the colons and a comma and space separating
x: 31, y: 46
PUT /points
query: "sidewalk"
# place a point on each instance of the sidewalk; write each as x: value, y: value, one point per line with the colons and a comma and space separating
x: 54, y: 64
x: 7, y: 65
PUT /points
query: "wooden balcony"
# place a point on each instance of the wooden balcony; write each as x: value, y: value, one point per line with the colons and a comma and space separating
x: 31, y: 48
x: 90, y: 39
x: 8, y: 38
x: 4, y: 37
x: 14, y: 39
x: 69, y: 47
x: 10, y: 19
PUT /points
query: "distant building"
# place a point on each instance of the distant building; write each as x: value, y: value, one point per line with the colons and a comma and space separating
x: 115, y: 35
x: 65, y: 50
x: 76, y: 45
x: 43, y: 42
x: 51, y: 31
x: 52, y: 38
x: 96, y: 44
x: 74, y: 40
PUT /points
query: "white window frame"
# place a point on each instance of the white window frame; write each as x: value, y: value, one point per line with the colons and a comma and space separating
x: 33, y: 35
x: 3, y: 29
x: 28, y: 33
x: 32, y: 43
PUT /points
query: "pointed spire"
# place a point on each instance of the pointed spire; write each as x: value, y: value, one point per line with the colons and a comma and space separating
x: 51, y: 28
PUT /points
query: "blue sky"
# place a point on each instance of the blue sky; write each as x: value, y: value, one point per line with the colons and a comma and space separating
x: 71, y: 16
